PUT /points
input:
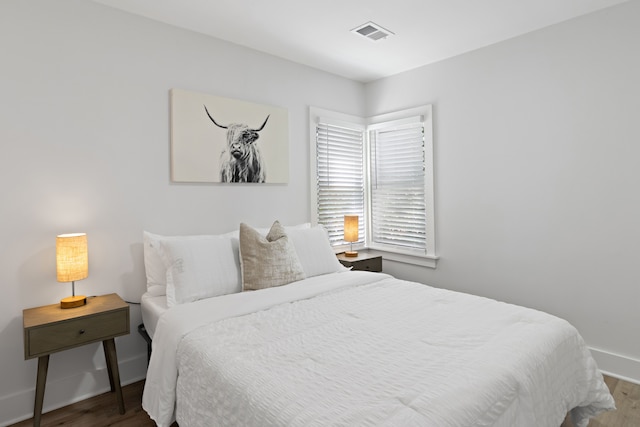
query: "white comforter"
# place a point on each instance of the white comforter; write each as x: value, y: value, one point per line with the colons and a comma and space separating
x: 365, y: 349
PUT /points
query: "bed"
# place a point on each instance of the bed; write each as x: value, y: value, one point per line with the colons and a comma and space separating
x: 344, y: 348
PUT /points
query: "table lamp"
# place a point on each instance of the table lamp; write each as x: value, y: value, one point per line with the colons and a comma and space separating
x: 72, y: 263
x: 351, y: 233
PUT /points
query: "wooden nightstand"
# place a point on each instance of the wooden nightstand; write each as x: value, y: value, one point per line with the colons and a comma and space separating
x: 364, y: 261
x: 49, y: 329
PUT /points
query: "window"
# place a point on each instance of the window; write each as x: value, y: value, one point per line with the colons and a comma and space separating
x: 339, y: 178
x: 380, y: 169
x: 398, y: 211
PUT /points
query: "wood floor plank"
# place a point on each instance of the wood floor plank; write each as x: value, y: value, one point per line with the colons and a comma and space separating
x: 627, y: 413
x: 102, y: 410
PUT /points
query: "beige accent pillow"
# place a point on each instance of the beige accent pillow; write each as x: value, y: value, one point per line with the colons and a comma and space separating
x: 267, y: 261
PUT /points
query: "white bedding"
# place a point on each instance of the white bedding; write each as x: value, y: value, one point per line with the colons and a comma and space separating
x: 152, y: 307
x: 361, y: 348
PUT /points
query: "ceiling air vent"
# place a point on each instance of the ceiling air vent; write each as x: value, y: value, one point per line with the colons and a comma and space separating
x: 372, y: 31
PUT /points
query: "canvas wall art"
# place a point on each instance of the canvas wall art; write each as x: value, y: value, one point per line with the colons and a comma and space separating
x: 216, y: 139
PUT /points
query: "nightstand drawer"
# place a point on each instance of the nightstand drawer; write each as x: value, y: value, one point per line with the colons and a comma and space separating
x: 71, y: 333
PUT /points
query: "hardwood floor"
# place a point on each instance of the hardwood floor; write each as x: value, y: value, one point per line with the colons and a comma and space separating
x: 627, y: 413
x: 102, y: 410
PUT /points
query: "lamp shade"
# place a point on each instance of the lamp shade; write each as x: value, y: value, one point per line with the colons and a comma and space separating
x: 72, y: 260
x: 351, y: 228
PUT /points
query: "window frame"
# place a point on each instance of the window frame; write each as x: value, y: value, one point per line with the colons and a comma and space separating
x: 428, y: 257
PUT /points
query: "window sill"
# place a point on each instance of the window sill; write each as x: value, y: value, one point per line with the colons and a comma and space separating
x: 429, y: 261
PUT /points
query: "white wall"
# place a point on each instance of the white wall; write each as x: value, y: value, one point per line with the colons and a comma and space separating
x: 84, y: 128
x: 537, y: 145
x: 536, y: 149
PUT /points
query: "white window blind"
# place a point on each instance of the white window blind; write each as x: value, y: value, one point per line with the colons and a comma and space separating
x: 340, y: 178
x: 398, y: 208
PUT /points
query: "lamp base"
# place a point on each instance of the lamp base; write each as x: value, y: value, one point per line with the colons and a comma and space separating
x: 71, y: 302
x: 351, y: 254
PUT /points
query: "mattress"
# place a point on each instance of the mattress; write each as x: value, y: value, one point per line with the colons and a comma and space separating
x: 360, y: 348
x: 152, y: 307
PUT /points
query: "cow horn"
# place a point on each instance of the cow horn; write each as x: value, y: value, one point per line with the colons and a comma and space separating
x: 214, y: 122
x: 265, y: 122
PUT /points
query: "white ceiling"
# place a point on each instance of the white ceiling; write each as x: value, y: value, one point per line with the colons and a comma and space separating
x: 317, y: 33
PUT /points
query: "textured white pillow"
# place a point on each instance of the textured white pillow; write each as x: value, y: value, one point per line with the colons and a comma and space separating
x: 154, y: 267
x: 267, y: 261
x: 314, y: 251
x: 200, y: 268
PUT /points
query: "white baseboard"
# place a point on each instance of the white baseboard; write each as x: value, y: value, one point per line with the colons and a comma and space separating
x: 18, y: 406
x: 616, y: 365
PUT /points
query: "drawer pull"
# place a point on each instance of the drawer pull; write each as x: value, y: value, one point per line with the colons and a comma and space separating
x: 81, y: 331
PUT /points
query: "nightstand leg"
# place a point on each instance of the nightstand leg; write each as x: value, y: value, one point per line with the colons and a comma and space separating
x: 41, y: 380
x: 114, y: 374
x: 106, y: 357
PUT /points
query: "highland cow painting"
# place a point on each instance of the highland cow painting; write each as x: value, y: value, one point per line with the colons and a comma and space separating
x: 222, y: 140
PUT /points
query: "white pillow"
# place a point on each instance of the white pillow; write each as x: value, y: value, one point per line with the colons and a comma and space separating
x: 314, y: 251
x: 154, y: 267
x: 200, y: 268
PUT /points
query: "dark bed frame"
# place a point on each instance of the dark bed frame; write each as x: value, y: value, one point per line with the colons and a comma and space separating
x: 143, y: 331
